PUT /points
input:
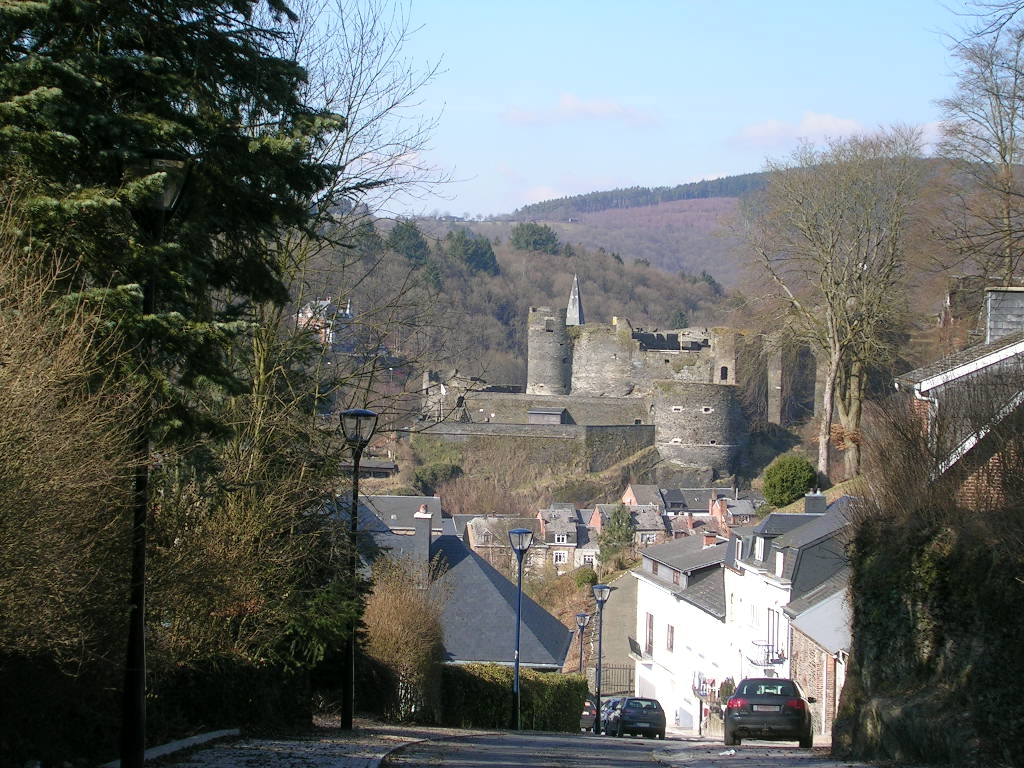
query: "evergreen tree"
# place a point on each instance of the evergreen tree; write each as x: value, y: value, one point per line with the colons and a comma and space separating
x: 541, y: 238
x: 90, y: 92
x: 473, y: 250
x: 406, y: 239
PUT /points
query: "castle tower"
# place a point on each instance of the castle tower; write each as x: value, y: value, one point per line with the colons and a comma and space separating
x: 549, y: 354
x: 574, y: 313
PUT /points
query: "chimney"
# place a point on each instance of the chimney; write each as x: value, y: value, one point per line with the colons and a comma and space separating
x: 422, y: 522
x: 710, y: 539
x: 689, y: 521
x: 1004, y: 312
x: 815, y: 502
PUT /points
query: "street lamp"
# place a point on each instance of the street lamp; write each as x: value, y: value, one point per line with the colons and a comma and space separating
x: 520, y: 539
x: 358, y: 425
x: 158, y: 209
x: 581, y: 624
x: 601, y: 592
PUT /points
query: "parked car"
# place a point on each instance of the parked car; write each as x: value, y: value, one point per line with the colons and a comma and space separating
x: 606, y: 708
x: 768, y: 708
x: 637, y: 716
x: 588, y: 715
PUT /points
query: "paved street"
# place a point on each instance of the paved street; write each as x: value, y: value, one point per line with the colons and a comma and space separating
x: 371, y: 745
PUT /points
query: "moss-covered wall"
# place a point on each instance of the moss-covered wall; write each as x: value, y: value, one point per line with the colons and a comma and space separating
x: 936, y: 666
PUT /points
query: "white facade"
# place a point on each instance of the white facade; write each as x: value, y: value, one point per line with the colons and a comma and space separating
x: 703, y: 650
x: 755, y: 599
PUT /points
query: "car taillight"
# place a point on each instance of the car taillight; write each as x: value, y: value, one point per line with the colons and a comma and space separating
x: 736, y: 703
x: 797, y: 704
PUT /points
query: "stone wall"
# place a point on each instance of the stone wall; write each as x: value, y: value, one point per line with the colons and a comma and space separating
x: 504, y: 408
x: 699, y: 424
x: 567, y: 446
x: 549, y: 354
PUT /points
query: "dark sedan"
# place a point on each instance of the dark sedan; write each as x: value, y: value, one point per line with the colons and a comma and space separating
x: 768, y: 708
x: 637, y: 716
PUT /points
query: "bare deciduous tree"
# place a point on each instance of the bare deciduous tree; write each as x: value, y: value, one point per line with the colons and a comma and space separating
x: 828, y: 233
x: 983, y: 133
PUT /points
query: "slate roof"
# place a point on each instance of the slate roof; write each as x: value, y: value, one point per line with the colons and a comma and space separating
x: 780, y: 523
x: 647, y: 518
x: 835, y: 518
x: 480, y: 614
x: 824, y: 614
x: 960, y: 363
x: 705, y: 582
x: 397, y: 512
x: 687, y: 554
x: 646, y: 494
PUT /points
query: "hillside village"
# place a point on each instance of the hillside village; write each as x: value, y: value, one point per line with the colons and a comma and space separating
x: 722, y: 591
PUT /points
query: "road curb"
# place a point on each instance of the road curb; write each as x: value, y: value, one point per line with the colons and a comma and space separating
x: 176, y: 746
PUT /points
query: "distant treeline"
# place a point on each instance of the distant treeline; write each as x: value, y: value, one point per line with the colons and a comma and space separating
x: 636, y: 197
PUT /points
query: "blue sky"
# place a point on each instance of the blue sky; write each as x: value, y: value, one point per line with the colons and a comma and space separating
x: 544, y: 99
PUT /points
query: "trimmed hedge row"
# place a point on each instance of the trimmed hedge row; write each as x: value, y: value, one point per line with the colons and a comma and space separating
x: 480, y: 696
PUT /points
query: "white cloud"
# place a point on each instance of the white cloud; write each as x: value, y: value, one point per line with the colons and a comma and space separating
x: 775, y: 134
x: 571, y: 108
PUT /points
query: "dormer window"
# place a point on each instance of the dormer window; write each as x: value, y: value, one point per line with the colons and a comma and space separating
x: 759, y: 548
x: 561, y: 538
x: 779, y: 562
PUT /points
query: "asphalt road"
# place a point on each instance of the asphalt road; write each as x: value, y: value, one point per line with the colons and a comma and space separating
x: 541, y: 750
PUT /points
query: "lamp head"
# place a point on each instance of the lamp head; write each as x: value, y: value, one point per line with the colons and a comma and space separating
x: 358, y: 425
x: 581, y: 620
x: 520, y: 539
x: 601, y: 593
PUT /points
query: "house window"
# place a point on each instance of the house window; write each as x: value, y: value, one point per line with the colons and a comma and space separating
x: 670, y: 639
x: 739, y: 549
x: 648, y: 538
x: 561, y: 538
x: 675, y: 577
x: 649, y: 637
x: 759, y: 548
x: 779, y: 562
x: 588, y: 559
x: 561, y: 557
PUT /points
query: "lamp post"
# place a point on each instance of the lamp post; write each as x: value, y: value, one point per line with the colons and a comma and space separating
x: 601, y: 592
x: 159, y: 209
x: 358, y: 425
x: 520, y: 539
x: 581, y: 624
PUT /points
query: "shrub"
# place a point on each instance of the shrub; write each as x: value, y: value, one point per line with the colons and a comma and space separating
x: 585, y: 577
x: 787, y: 479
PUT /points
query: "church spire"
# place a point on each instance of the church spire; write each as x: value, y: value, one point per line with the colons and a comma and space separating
x: 574, y: 313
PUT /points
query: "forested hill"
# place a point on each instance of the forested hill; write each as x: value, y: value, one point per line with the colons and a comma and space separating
x: 636, y: 197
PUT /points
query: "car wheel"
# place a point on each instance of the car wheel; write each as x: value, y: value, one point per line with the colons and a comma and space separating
x: 619, y: 731
x: 731, y: 739
x: 661, y: 735
x: 806, y: 741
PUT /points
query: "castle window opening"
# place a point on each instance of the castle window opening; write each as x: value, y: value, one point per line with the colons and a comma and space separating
x: 723, y: 374
x: 707, y: 409
x: 637, y: 421
x: 677, y: 409
x: 676, y: 441
x: 714, y: 442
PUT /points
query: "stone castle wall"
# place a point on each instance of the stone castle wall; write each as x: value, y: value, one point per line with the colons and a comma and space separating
x: 503, y: 408
x: 549, y: 353
x: 698, y: 424
x: 585, y: 448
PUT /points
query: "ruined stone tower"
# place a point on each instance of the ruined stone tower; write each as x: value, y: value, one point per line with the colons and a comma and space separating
x: 549, y: 353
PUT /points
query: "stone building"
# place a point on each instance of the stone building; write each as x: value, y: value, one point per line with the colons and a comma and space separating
x: 674, y: 390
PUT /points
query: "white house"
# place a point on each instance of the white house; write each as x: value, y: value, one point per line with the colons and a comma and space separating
x: 682, y: 648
